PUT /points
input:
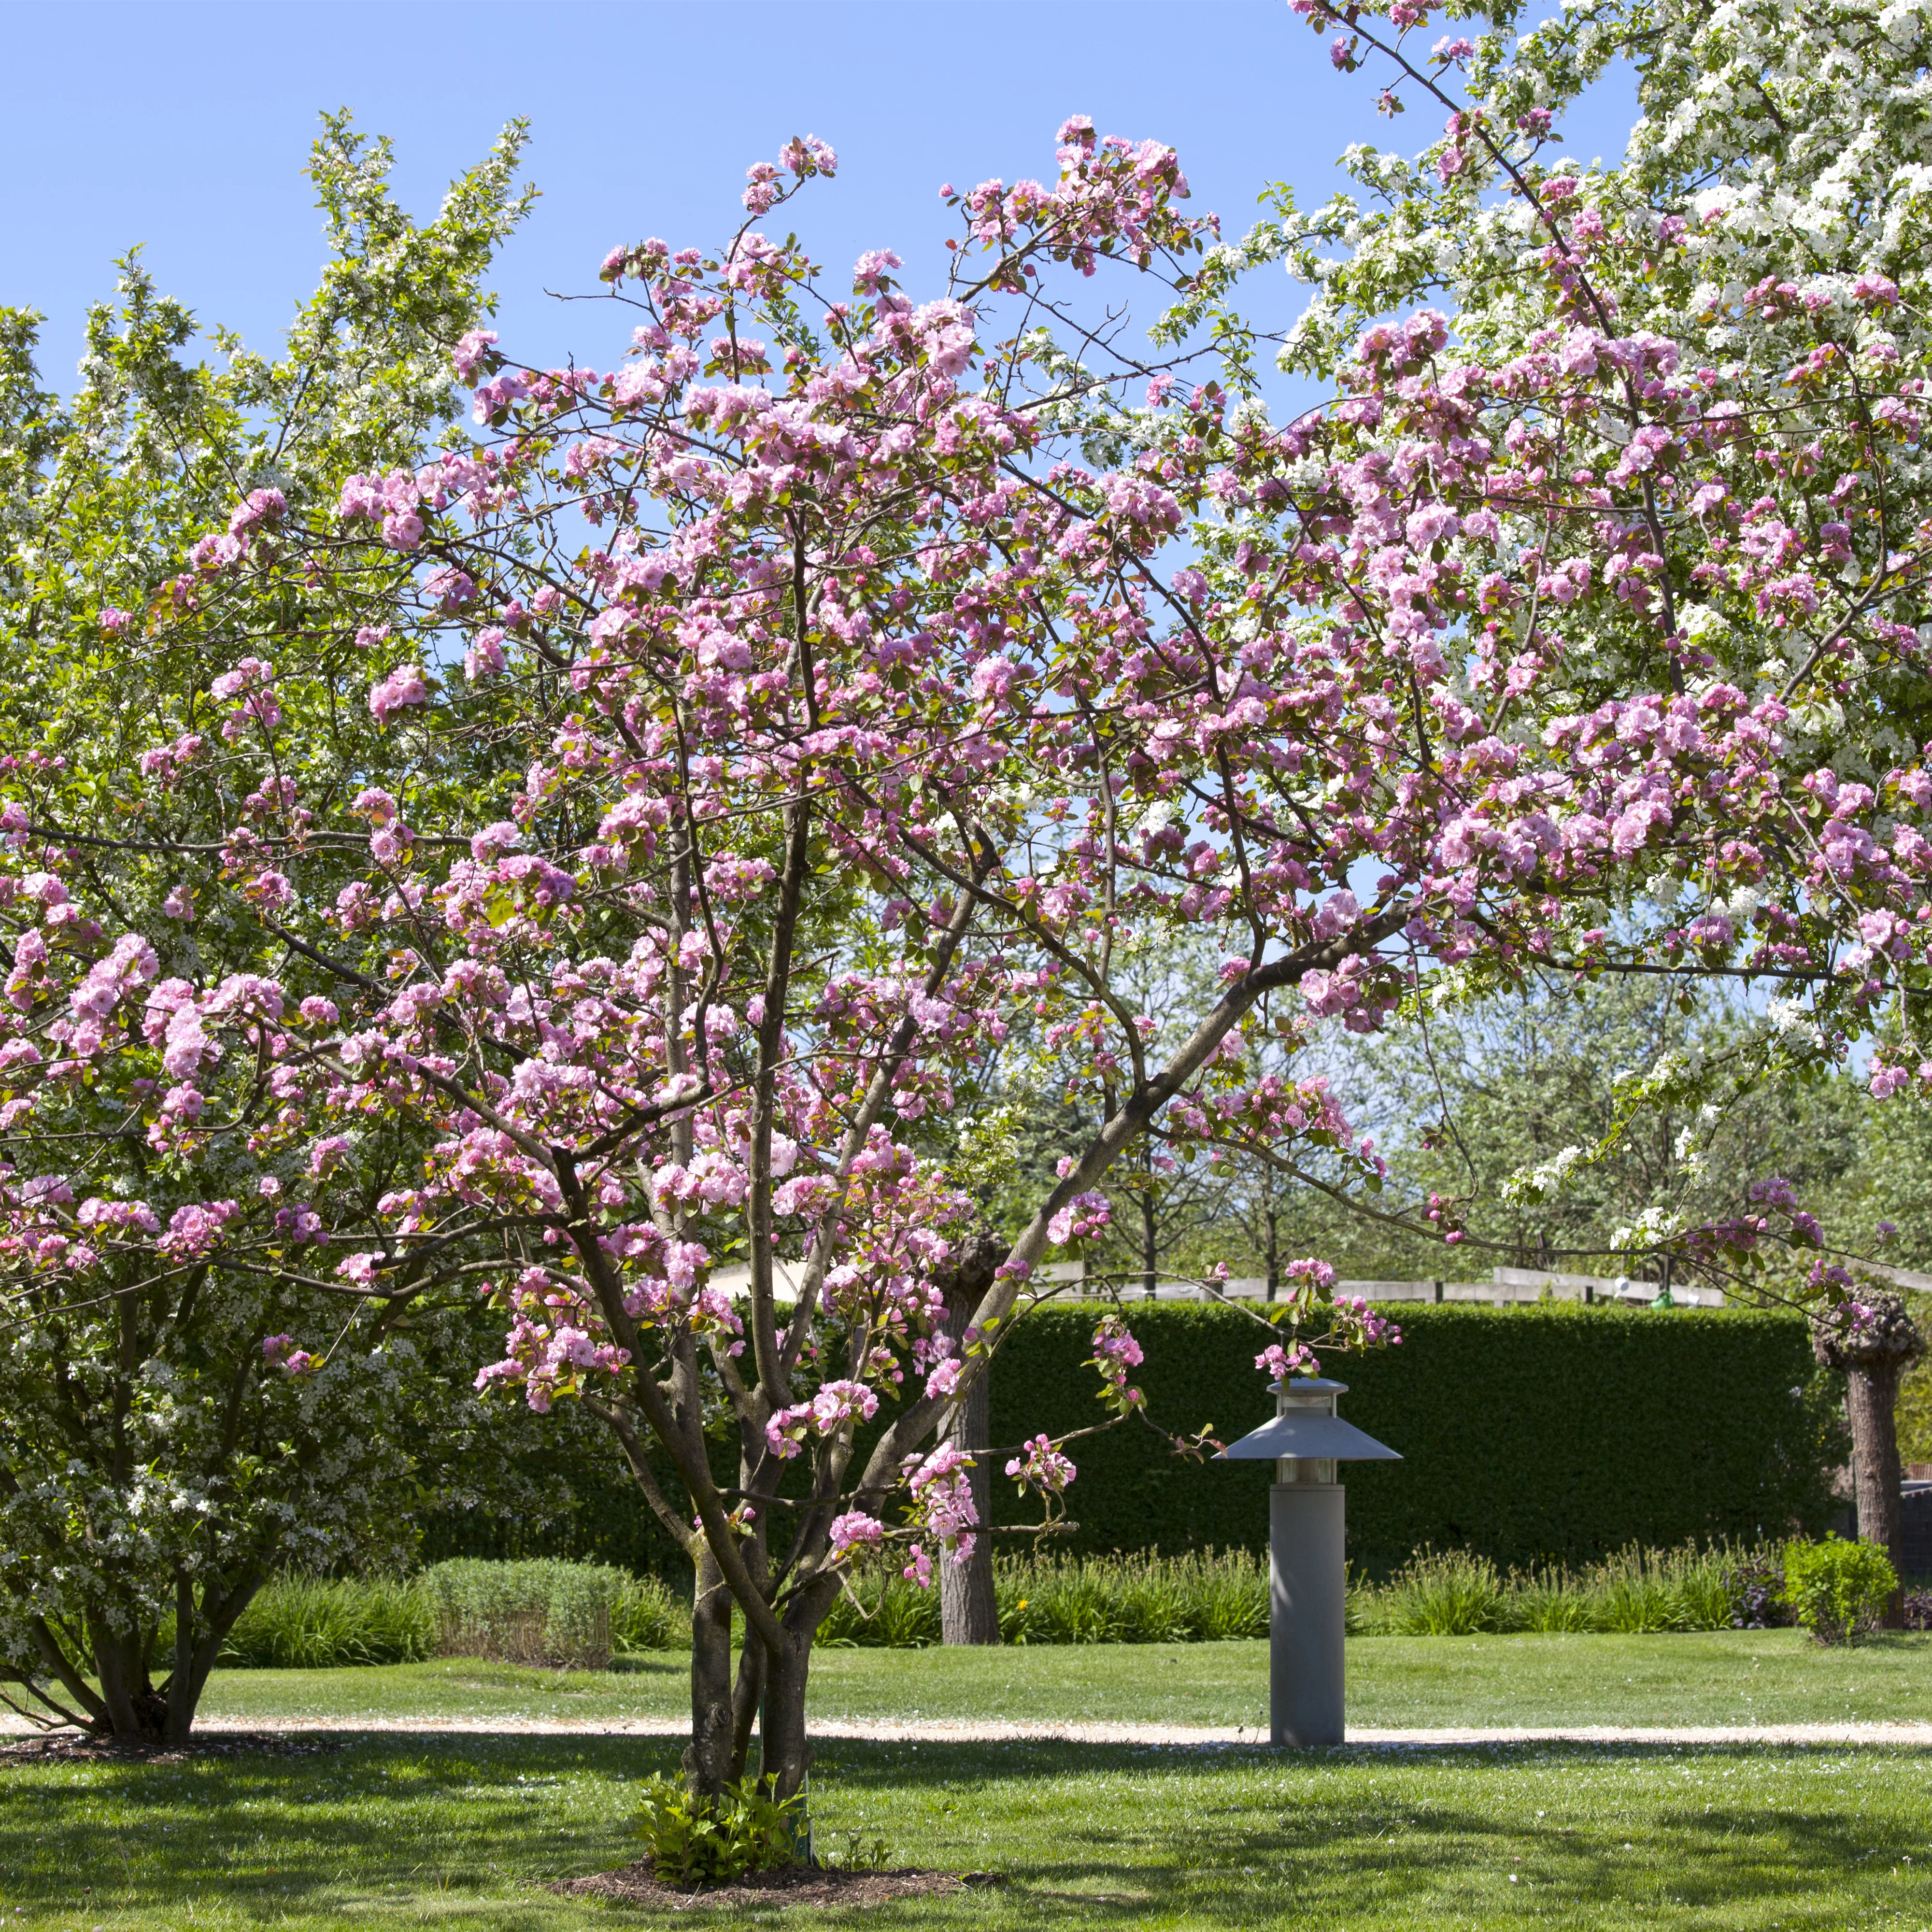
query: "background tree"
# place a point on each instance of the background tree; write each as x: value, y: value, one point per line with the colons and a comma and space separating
x: 164, y: 1444
x: 1872, y: 1341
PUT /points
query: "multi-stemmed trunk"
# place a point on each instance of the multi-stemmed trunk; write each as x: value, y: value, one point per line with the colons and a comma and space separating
x: 120, y: 1700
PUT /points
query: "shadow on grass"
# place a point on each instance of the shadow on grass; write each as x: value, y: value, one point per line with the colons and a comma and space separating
x: 1112, y: 1837
x: 651, y: 1664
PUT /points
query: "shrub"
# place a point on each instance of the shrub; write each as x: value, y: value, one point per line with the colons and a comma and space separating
x: 1837, y: 1589
x: 695, y: 1841
x: 544, y: 1612
x: 309, y: 1623
x: 1757, y: 1592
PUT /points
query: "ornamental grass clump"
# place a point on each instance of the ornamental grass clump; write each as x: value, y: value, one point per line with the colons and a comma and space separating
x: 1635, y: 1591
x: 1203, y: 1596
x: 1449, y: 1593
x: 314, y: 1623
x: 645, y: 1614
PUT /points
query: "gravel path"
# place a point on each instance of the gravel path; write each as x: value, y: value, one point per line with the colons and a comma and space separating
x: 939, y: 1731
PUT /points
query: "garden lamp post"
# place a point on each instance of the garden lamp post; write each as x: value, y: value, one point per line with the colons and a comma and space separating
x: 1307, y: 1566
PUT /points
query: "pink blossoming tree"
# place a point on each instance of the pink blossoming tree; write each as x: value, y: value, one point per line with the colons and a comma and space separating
x: 835, y: 678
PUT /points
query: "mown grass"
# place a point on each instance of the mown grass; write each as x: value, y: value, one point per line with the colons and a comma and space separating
x: 1726, y: 1677
x: 461, y: 1832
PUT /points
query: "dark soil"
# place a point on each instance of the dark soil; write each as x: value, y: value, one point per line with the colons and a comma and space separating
x: 784, y: 1884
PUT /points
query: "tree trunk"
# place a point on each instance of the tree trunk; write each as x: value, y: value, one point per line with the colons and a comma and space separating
x: 1871, y: 1395
x: 135, y: 1714
x: 784, y: 1753
x: 1873, y: 1342
x: 967, y: 1611
x: 1150, y: 1267
x: 708, y: 1757
x: 199, y: 1637
x: 1273, y: 1258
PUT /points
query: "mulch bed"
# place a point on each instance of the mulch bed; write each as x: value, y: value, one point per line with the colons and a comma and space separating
x: 784, y: 1886
x: 70, y: 1745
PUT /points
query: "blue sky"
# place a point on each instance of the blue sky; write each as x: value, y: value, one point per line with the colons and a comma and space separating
x: 184, y: 127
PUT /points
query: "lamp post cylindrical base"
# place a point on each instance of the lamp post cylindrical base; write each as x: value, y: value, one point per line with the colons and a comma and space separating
x: 1307, y: 1612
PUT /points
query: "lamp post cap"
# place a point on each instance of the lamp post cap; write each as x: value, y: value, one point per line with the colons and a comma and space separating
x: 1309, y: 1434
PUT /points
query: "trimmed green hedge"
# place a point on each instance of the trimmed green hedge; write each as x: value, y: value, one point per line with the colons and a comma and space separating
x: 1543, y: 1432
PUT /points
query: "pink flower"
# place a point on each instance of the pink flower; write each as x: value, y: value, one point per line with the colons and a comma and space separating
x: 484, y: 657
x: 1042, y: 1467
x: 855, y: 1531
x: 195, y: 1231
x: 404, y: 686
x: 1278, y: 1363
x: 471, y: 353
x: 263, y: 506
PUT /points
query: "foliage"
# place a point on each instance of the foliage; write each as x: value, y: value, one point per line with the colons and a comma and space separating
x: 1837, y: 1589
x: 701, y: 1839
x: 572, y: 1616
x: 166, y: 1446
x: 313, y: 1623
x: 1633, y: 1591
x: 1540, y: 1433
x: 1201, y: 1596
x: 920, y: 670
x: 1513, y: 1087
x: 1456, y: 1594
x: 558, y: 1614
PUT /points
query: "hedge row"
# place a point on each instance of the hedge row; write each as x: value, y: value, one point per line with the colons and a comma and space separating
x: 1537, y: 1433
x: 1549, y: 1432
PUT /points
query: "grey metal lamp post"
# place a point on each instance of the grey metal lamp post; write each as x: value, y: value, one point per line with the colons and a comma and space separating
x: 1307, y: 1563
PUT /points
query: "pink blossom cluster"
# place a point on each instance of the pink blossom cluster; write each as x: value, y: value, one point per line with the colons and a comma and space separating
x: 1042, y: 1467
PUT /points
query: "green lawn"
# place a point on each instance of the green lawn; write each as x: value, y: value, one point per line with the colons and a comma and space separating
x: 1728, y: 1677
x: 461, y: 1830
x: 458, y: 1832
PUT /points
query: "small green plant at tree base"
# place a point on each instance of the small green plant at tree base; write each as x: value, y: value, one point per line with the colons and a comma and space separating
x: 697, y: 1840
x: 860, y: 1854
x: 1837, y: 1589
